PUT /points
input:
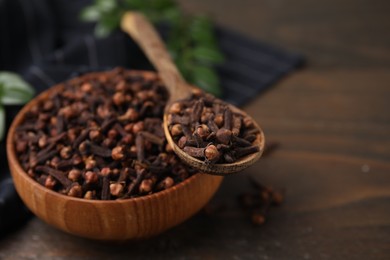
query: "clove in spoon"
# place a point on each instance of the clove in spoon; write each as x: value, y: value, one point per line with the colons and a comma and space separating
x: 143, y: 32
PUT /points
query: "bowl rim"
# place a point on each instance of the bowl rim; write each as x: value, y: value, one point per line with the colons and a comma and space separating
x: 12, y: 157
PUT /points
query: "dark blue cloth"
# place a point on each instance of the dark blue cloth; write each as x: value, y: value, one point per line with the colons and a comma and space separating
x: 45, y: 42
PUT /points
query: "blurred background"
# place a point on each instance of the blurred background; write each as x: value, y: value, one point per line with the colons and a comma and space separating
x: 329, y: 121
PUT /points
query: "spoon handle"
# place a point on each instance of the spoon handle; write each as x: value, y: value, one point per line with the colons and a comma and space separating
x: 142, y: 31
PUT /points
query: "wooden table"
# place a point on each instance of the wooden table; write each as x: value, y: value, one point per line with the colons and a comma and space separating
x: 333, y: 122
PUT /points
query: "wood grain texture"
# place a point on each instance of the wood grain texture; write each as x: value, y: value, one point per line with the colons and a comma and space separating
x: 142, y: 31
x: 109, y: 220
x: 332, y: 122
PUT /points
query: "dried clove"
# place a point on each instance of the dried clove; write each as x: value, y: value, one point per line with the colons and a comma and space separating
x: 105, y: 188
x: 194, y: 151
x: 58, y: 175
x: 257, y: 204
x: 100, y: 151
x: 101, y: 137
x: 140, y: 146
x: 200, y: 120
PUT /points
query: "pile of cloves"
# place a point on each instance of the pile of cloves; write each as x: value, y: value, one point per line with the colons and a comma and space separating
x: 206, y: 128
x: 100, y: 136
x: 258, y: 203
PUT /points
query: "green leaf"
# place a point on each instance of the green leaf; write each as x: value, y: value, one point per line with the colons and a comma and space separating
x: 2, y: 122
x: 101, y: 30
x: 135, y: 4
x: 15, y: 96
x: 207, y: 55
x: 202, y: 31
x: 152, y: 15
x: 171, y: 15
x: 107, y: 24
x: 191, y: 39
x: 106, y: 5
x: 161, y: 4
x: 14, y: 90
x: 185, y: 68
x: 201, y: 22
x: 207, y: 79
x: 90, y: 14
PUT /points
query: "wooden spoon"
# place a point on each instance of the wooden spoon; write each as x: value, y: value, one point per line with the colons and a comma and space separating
x: 141, y: 30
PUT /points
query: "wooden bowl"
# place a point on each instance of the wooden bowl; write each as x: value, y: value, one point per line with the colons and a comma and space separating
x: 134, y: 218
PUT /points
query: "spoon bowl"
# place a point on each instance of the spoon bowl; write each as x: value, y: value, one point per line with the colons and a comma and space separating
x: 141, y: 30
x: 218, y: 168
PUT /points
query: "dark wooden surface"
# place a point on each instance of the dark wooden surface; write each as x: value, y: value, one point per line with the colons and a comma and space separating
x: 333, y: 122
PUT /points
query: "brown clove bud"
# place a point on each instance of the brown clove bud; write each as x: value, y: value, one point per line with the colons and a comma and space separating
x: 176, y: 119
x: 243, y: 151
x: 145, y: 186
x: 258, y: 219
x: 58, y: 175
x: 89, y: 195
x: 168, y: 148
x: 112, y: 134
x: 42, y: 142
x: 229, y: 158
x: 21, y: 146
x: 116, y: 189
x: 140, y: 147
x: 277, y: 197
x: 194, y: 151
x: 118, y: 98
x: 95, y: 135
x: 105, y: 171
x: 138, y: 127
x: 182, y: 142
x: 74, y: 175
x: 224, y: 136
x: 117, y: 153
x: 197, y: 111
x: 75, y: 191
x: 86, y: 87
x: 211, y: 153
x: 237, y: 122
x: 227, y: 118
x: 90, y: 163
x: 175, y: 108
x: 240, y: 141
x: 218, y: 120
x: 203, y: 131
x: 250, y: 138
x: 66, y: 152
x: 248, y: 123
x: 90, y: 177
x: 176, y: 130
x: 166, y: 183
x: 130, y: 115
x: 50, y: 182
